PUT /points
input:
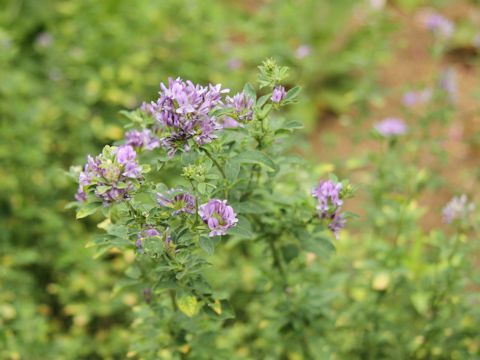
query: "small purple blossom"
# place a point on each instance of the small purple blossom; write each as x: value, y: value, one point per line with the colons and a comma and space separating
x: 183, y: 113
x: 302, y: 51
x: 328, y: 196
x: 457, y: 209
x: 449, y: 84
x: 439, y: 25
x: 142, y: 139
x: 234, y: 64
x: 111, y: 175
x: 391, y: 127
x: 218, y: 215
x: 180, y: 202
x: 278, y: 94
x: 337, y: 223
x: 242, y: 106
x: 412, y: 98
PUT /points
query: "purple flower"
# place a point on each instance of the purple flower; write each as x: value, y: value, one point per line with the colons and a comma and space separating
x: 278, y: 94
x: 448, y: 83
x: 183, y: 113
x: 412, y: 98
x: 142, y: 139
x: 439, y: 25
x: 328, y: 196
x: 111, y: 175
x: 234, y: 64
x: 457, y: 209
x: 391, y: 127
x: 302, y: 51
x: 218, y: 216
x: 337, y: 223
x: 80, y: 195
x: 242, y: 106
x: 125, y: 154
x: 177, y: 200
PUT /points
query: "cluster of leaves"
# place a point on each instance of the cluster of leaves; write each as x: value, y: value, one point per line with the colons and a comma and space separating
x: 66, y: 70
x: 247, y: 166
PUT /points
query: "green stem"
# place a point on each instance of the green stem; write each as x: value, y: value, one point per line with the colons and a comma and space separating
x: 173, y: 299
x: 215, y: 162
x: 277, y: 263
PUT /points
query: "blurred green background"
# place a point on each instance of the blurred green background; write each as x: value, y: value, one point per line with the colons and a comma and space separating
x: 68, y: 67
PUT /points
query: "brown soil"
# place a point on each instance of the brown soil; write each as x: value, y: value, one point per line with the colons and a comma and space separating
x: 413, y: 64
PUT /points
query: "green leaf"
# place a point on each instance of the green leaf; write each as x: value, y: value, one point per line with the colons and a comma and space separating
x: 232, y: 169
x: 256, y: 157
x: 207, y: 244
x: 289, y: 126
x: 420, y: 301
x: 292, y: 94
x: 263, y: 100
x: 250, y: 91
x: 220, y: 310
x: 249, y: 207
x: 320, y: 245
x: 289, y: 252
x: 102, y: 189
x: 88, y: 209
x: 242, y: 229
x: 187, y: 304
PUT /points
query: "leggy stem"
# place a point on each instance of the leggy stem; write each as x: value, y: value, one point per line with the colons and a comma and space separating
x: 215, y: 162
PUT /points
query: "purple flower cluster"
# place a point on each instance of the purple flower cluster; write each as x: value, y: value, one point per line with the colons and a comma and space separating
x: 457, y: 209
x: 180, y: 202
x: 112, y: 175
x: 278, y: 94
x: 218, y: 215
x: 412, y: 98
x: 329, y: 204
x: 183, y: 113
x: 439, y: 25
x: 391, y: 127
x: 143, y: 139
x: 242, y: 106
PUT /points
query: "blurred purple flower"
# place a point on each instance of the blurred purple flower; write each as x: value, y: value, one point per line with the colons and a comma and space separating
x: 439, y: 25
x: 143, y: 139
x: 234, y: 64
x: 328, y: 196
x: 457, y: 209
x: 337, y: 223
x: 218, y: 216
x: 449, y: 84
x: 302, y: 51
x: 391, y: 127
x: 278, y: 94
x: 412, y: 98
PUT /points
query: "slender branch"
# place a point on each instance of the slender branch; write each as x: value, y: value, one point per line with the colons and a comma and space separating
x: 215, y: 162
x: 173, y: 300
